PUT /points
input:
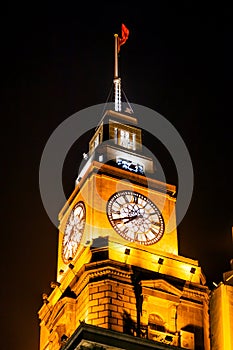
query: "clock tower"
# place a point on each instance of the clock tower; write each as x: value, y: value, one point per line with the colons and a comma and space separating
x: 121, y: 283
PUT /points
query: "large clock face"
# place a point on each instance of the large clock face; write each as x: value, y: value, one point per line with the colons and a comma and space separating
x: 135, y: 217
x: 73, y: 232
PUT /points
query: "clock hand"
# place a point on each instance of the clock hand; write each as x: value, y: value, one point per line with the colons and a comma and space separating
x: 129, y: 218
x: 132, y: 218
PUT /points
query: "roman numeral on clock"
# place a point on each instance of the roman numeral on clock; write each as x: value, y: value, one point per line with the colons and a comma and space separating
x: 155, y: 232
x: 126, y: 198
x: 154, y: 223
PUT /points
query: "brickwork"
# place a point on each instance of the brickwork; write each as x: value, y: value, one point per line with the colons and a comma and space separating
x: 82, y: 303
x: 106, y: 303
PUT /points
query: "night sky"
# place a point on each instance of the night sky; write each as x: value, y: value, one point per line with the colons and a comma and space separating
x: 56, y: 60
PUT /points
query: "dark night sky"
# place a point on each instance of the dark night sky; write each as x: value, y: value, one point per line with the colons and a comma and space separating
x: 57, y: 59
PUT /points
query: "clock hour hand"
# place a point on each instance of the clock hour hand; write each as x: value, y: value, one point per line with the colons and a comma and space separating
x: 130, y: 218
x: 122, y: 220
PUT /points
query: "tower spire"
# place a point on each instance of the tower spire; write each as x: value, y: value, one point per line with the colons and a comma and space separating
x: 117, y: 80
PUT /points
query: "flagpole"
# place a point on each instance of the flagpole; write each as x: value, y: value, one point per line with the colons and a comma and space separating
x: 117, y: 80
x: 116, y: 57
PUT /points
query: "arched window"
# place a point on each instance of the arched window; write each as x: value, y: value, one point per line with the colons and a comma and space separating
x: 156, y: 323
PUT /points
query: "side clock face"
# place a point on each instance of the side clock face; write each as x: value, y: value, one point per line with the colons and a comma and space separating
x: 135, y: 217
x: 73, y: 232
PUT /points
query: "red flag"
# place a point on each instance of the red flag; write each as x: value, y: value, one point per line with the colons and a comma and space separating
x: 124, y: 36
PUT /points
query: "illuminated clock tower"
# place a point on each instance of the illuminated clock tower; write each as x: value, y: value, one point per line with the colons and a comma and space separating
x: 121, y: 283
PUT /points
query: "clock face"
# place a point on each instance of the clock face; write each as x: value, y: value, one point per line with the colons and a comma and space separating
x: 135, y: 217
x: 73, y: 232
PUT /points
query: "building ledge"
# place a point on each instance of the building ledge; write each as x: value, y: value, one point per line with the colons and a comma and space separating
x: 105, y: 339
